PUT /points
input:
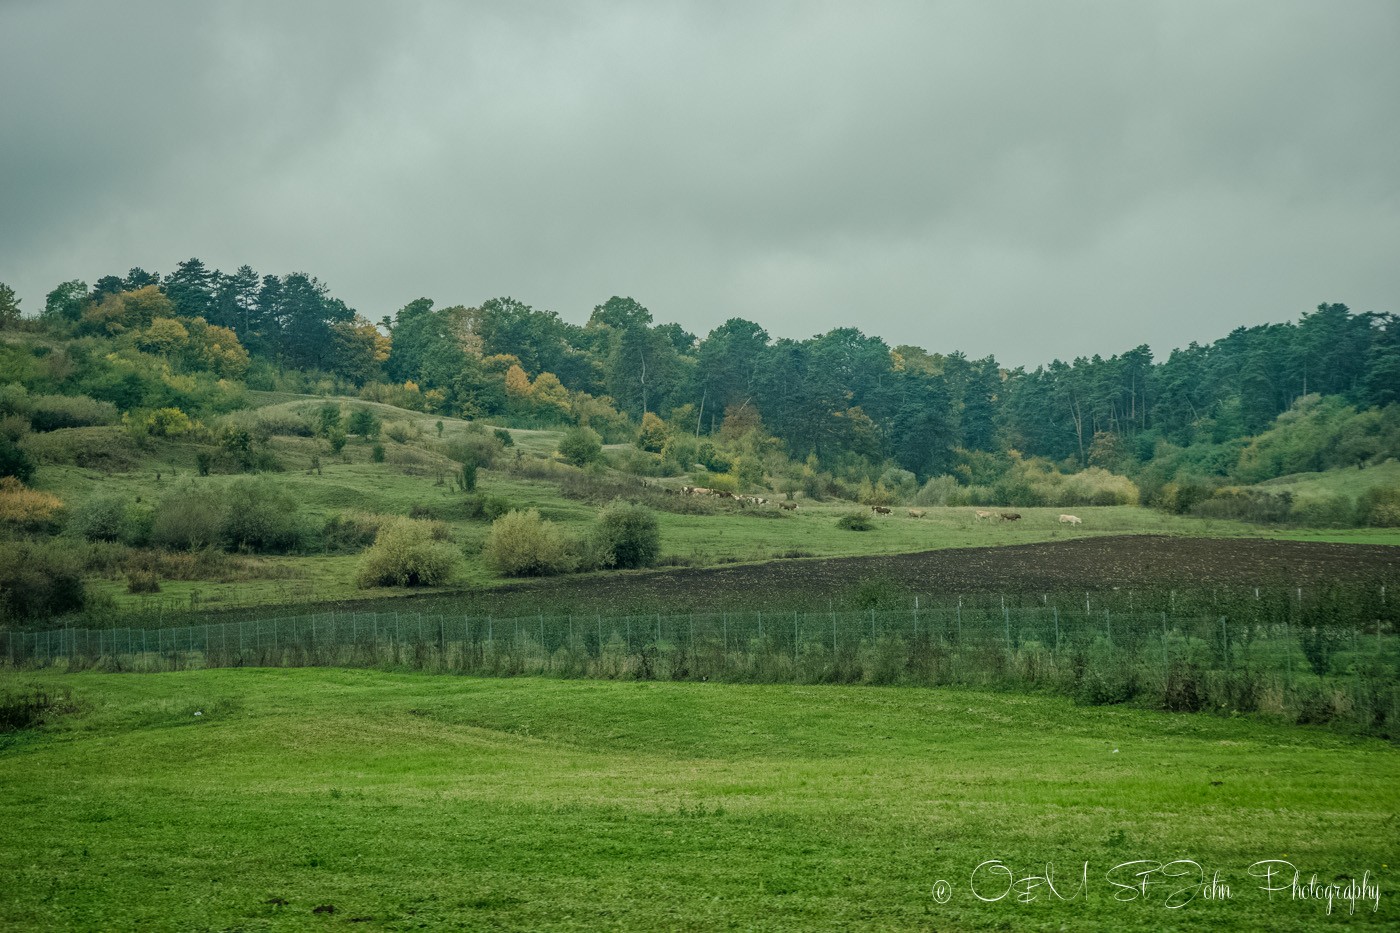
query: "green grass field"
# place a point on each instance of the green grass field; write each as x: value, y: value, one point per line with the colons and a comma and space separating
x: 421, y: 802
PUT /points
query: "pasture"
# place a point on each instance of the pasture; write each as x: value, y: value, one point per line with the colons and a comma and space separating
x: 301, y: 799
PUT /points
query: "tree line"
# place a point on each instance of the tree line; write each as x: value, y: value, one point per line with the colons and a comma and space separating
x: 845, y: 397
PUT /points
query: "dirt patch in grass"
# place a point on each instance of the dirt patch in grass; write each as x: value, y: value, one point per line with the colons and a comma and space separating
x: 1094, y: 563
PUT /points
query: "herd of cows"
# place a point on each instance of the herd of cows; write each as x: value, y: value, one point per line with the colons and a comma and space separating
x: 877, y: 509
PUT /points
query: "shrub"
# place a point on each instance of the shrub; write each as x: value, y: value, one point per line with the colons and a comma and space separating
x: 465, y: 480
x: 902, y: 484
x: 27, y: 508
x: 640, y: 463
x: 652, y: 436
x: 110, y: 450
x: 481, y: 506
x: 713, y: 458
x: 260, y: 517
x: 502, y: 435
x: 14, y: 461
x: 1248, y: 505
x: 581, y: 446
x: 630, y: 533
x: 142, y: 581
x: 521, y: 544
x: 50, y: 412
x: 14, y: 426
x: 403, y: 432
x: 856, y: 521
x: 1096, y: 486
x: 263, y: 423
x: 350, y: 531
x: 723, y: 482
x: 39, y: 580
x: 477, y: 448
x: 101, y: 518
x: 376, y: 453
x: 328, y: 419
x: 336, y: 437
x: 405, y: 553
x: 1379, y: 506
x: 1326, y: 511
x: 363, y: 422
x: 166, y: 422
x: 33, y: 706
x: 940, y: 490
x: 188, y: 518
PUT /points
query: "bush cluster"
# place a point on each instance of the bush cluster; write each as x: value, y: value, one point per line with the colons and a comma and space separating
x: 26, y: 508
x: 246, y: 515
x: 408, y: 553
x: 39, y: 579
x: 581, y: 446
x: 523, y: 544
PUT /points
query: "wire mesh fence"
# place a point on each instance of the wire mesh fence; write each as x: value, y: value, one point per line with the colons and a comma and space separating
x: 1309, y: 673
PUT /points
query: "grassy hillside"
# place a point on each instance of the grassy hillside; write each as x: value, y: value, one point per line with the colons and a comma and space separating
x: 416, y: 475
x: 248, y: 799
x: 1346, y: 482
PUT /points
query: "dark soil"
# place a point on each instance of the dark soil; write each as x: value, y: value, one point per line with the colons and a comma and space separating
x: 1098, y: 563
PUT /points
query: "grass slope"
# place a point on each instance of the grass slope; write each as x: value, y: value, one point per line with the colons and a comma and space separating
x: 1344, y: 482
x: 414, y: 474
x: 409, y: 802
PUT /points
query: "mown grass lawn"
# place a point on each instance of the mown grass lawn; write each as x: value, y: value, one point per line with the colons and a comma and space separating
x: 420, y: 802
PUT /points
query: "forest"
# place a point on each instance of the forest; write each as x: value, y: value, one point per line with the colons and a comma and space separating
x: 885, y: 421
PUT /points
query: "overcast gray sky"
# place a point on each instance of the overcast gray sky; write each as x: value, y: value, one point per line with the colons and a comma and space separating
x: 1029, y: 179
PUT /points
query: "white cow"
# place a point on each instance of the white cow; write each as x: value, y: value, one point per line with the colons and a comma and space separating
x: 1071, y: 520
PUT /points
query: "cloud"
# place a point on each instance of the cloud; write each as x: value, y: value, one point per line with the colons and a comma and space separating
x: 1024, y: 179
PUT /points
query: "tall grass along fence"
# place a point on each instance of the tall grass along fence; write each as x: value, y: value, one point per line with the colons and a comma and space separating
x: 1304, y: 671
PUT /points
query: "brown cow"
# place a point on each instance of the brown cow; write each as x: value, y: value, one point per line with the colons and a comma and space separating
x: 916, y: 513
x: 788, y: 506
x: 1011, y: 516
x: 879, y: 510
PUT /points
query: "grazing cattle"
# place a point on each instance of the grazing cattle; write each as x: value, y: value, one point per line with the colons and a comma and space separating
x: 916, y: 513
x: 1011, y: 516
x: 983, y: 513
x: 759, y: 500
x: 697, y: 491
x: 1071, y: 520
x: 788, y: 506
x: 879, y: 510
x: 722, y: 494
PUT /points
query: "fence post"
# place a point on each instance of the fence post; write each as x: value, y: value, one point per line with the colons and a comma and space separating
x: 1057, y: 629
x: 1166, y: 657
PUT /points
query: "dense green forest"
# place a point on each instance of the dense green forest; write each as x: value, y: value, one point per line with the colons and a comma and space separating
x: 1261, y: 402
